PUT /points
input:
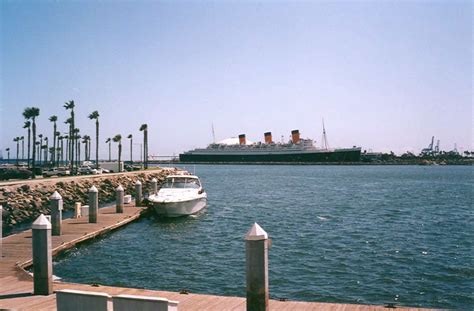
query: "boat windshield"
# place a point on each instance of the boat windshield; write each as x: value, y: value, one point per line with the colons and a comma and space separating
x: 181, y: 183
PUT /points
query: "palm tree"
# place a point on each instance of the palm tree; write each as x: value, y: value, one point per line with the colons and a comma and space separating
x: 46, y: 150
x: 76, y: 139
x: 53, y: 119
x: 109, y: 141
x: 131, y: 144
x: 8, y: 155
x: 56, y: 155
x: 17, y: 139
x: 92, y: 116
x: 38, y: 151
x: 144, y: 128
x: 67, y: 146
x: 118, y: 139
x: 70, y: 105
x: 32, y: 113
x: 22, y: 138
x: 28, y: 126
x: 85, y: 140
x: 41, y: 146
x: 89, y: 147
x: 52, y: 151
x: 68, y: 142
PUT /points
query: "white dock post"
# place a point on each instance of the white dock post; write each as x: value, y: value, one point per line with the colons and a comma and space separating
x: 93, y: 204
x: 138, y: 195
x: 256, y: 246
x: 42, y: 257
x: 77, y: 210
x: 119, y: 194
x: 154, y: 186
x: 56, y: 204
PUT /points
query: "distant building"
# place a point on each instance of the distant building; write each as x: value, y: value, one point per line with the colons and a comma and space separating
x: 372, y: 156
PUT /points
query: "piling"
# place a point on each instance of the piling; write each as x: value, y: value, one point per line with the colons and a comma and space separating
x: 56, y: 204
x: 256, y: 246
x: 77, y: 210
x: 42, y: 257
x: 93, y: 204
x: 138, y: 191
x: 119, y: 198
x: 154, y: 186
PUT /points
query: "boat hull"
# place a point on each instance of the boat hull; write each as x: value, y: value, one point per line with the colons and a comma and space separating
x: 342, y: 155
x: 178, y: 209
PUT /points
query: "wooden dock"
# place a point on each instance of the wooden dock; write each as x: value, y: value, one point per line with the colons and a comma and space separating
x: 16, y: 285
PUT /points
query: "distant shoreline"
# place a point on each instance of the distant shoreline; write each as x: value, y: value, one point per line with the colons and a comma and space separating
x: 418, y: 162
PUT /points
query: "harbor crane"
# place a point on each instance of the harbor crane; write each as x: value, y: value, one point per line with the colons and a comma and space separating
x: 429, y: 150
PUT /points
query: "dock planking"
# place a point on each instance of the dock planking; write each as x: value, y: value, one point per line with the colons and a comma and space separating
x: 16, y: 285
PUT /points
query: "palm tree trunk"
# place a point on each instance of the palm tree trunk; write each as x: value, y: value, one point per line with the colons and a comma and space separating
x: 62, y: 150
x: 74, y: 152
x: 29, y: 143
x: 131, y: 151
x: 76, y: 146
x: 67, y: 149
x: 109, y: 151
x: 119, y: 155
x: 146, y: 149
x: 53, y: 158
x: 40, y: 157
x: 97, y: 143
x: 34, y: 147
x: 73, y: 126
x: 78, y: 153
x: 23, y: 149
x: 17, y: 148
x: 46, y: 153
x: 71, y: 153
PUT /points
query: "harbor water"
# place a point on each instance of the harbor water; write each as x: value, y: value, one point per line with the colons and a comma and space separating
x: 346, y: 234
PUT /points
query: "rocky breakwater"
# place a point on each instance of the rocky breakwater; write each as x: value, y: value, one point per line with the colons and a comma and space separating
x: 24, y: 202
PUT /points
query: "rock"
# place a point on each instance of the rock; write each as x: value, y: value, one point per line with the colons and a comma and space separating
x: 25, y: 188
x: 24, y: 202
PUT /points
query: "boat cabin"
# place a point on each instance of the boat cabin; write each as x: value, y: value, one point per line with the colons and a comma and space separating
x: 181, y: 182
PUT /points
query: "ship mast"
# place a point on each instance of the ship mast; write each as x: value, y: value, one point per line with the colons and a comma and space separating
x: 213, y: 134
x: 325, y: 144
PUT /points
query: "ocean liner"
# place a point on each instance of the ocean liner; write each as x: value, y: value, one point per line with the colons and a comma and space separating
x: 297, y: 150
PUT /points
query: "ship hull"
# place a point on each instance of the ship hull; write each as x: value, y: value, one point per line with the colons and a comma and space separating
x: 336, y: 156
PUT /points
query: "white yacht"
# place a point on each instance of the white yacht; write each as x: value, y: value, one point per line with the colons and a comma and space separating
x: 180, y: 195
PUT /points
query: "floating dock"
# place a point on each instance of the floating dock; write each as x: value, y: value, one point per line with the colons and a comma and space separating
x: 16, y: 284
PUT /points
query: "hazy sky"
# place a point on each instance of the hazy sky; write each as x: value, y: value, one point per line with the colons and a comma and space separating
x: 383, y: 75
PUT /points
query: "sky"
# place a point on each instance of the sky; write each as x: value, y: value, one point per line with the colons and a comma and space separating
x: 384, y: 75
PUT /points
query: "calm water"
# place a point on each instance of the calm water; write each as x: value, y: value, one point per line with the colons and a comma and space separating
x: 368, y: 234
